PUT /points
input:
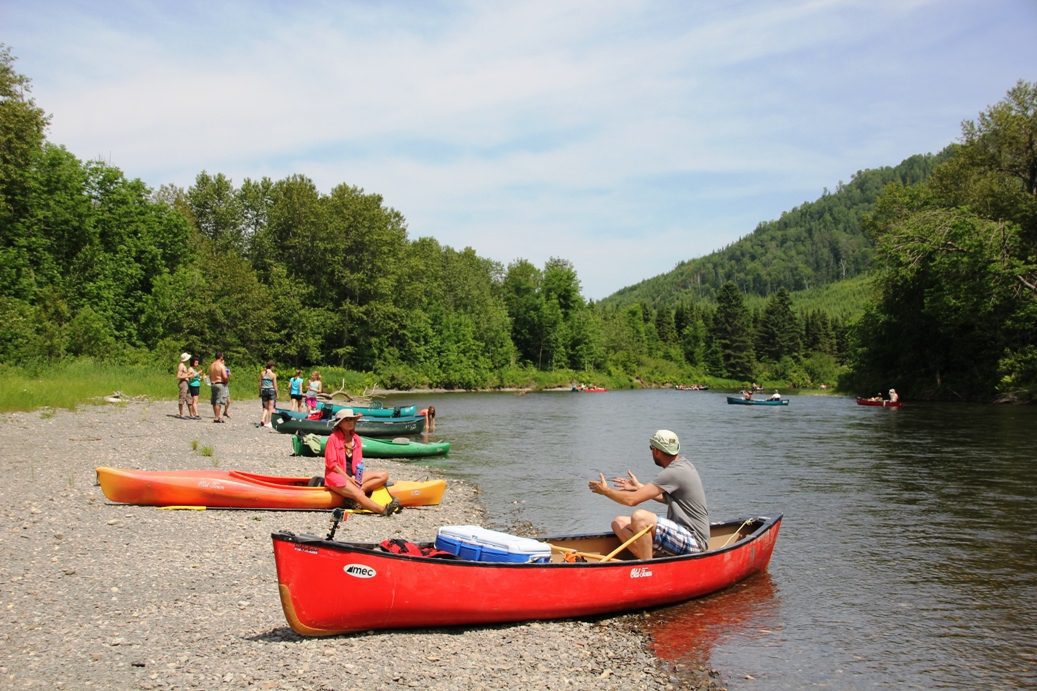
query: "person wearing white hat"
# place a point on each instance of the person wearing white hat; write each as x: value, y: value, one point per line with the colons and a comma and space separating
x: 685, y: 527
x: 344, y: 467
x: 893, y: 396
x: 182, y: 375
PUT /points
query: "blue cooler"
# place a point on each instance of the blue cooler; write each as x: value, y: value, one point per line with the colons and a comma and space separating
x: 459, y: 540
x: 476, y: 543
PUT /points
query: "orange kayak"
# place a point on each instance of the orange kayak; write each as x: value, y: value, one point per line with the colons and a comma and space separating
x: 238, y: 489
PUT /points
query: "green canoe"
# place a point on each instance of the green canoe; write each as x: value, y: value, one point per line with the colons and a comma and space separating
x: 313, y: 445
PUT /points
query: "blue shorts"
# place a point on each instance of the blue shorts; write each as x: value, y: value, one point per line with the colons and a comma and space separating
x: 674, y: 538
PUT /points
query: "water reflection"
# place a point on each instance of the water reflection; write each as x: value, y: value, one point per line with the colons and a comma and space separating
x: 688, y: 633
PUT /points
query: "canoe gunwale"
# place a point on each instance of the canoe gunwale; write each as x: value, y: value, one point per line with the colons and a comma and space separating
x: 763, y: 524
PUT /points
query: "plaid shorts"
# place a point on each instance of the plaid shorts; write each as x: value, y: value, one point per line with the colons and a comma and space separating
x: 674, y: 538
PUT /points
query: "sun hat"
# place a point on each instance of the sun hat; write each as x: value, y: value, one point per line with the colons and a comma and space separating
x: 346, y: 414
x: 666, y: 441
x: 184, y: 357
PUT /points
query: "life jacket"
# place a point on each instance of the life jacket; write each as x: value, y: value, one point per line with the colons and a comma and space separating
x: 400, y: 546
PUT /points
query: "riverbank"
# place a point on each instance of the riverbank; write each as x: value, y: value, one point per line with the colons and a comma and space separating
x: 98, y: 594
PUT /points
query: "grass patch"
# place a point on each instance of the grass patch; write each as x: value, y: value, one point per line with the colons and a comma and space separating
x: 206, y: 451
x: 65, y: 385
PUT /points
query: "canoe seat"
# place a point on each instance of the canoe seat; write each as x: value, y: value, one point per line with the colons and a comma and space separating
x: 315, y: 481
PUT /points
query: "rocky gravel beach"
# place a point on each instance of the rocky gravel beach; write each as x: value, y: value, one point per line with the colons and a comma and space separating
x: 95, y: 594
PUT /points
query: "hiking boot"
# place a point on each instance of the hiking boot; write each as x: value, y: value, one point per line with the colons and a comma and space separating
x: 392, y: 507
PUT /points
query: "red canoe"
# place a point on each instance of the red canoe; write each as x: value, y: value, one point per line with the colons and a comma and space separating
x: 238, y: 489
x: 879, y: 404
x: 329, y: 587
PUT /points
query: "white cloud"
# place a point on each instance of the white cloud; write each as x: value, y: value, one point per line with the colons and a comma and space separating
x: 613, y: 136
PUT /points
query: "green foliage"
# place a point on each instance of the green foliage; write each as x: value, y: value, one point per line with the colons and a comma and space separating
x: 843, y: 300
x: 90, y: 334
x: 24, y: 337
x: 778, y: 334
x: 821, y: 368
x: 958, y: 270
x: 22, y: 127
x: 732, y: 334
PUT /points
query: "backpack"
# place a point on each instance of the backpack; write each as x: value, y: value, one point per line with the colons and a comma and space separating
x: 400, y: 546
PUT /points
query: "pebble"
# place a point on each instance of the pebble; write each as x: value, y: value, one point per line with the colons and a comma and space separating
x: 140, y: 597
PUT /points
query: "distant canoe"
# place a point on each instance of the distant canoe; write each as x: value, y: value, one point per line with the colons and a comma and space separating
x: 376, y: 448
x: 738, y: 400
x: 879, y: 404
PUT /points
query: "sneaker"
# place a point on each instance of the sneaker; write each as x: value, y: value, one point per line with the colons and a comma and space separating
x: 392, y: 507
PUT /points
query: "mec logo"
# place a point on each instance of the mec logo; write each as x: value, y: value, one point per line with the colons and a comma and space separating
x: 359, y: 571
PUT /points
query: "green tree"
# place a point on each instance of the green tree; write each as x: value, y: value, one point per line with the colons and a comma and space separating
x: 22, y: 128
x: 254, y: 199
x: 294, y: 235
x: 525, y: 308
x: 818, y: 334
x: 732, y: 333
x: 959, y: 267
x: 778, y: 334
x: 665, y: 325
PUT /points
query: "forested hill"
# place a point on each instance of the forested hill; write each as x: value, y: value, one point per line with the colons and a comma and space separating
x: 815, y: 244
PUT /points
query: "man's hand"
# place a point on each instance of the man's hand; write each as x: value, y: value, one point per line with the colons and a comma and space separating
x: 629, y: 483
x: 599, y: 486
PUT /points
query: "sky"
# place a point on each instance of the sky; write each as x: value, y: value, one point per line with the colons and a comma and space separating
x: 623, y: 136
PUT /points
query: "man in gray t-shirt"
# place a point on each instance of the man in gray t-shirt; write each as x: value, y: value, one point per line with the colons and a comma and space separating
x: 685, y: 528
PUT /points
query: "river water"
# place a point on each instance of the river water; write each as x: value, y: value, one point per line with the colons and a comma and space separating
x: 906, y: 555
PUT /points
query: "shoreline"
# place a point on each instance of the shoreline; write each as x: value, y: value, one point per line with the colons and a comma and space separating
x: 140, y: 597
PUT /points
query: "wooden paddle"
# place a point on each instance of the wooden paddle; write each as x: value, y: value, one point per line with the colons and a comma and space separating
x: 598, y: 557
x: 633, y: 538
